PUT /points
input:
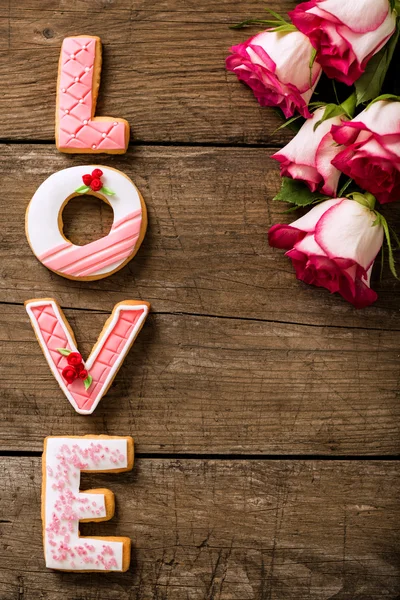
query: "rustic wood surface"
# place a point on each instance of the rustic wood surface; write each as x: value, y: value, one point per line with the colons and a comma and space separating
x: 287, y: 530
x: 245, y: 387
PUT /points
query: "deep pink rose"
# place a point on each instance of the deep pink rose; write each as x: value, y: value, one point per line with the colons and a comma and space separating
x: 309, y: 154
x: 276, y: 66
x: 372, y: 153
x: 333, y: 246
x: 345, y: 33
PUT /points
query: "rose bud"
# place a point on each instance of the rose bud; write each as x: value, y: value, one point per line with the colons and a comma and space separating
x: 276, y: 65
x: 69, y: 374
x: 74, y: 359
x: 96, y: 185
x: 87, y: 179
x: 97, y: 173
x: 372, y: 153
x: 308, y: 155
x: 334, y: 246
x: 83, y: 374
x: 345, y: 33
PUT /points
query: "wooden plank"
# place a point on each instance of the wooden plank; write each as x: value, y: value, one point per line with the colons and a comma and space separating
x: 212, y: 385
x: 206, y: 249
x: 220, y: 530
x: 163, y: 70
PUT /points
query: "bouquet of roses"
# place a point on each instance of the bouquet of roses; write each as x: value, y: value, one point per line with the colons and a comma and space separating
x: 350, y: 146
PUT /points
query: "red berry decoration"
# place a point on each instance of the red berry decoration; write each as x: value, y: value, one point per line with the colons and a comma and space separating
x: 96, y: 185
x: 74, y: 359
x: 83, y: 374
x: 87, y: 179
x: 97, y: 173
x: 69, y: 374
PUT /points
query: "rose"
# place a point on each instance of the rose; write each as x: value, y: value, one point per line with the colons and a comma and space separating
x: 97, y: 173
x: 334, y: 246
x: 74, y: 359
x: 308, y: 155
x: 345, y: 33
x: 87, y: 179
x: 276, y: 65
x: 69, y: 373
x: 96, y: 185
x: 83, y: 374
x: 372, y: 155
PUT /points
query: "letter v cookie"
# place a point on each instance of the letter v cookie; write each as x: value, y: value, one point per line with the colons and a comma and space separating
x: 85, y: 383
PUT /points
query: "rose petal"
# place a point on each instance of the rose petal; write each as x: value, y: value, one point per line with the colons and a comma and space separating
x: 346, y: 231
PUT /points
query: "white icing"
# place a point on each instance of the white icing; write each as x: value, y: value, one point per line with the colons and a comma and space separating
x: 51, y: 496
x: 42, y: 226
x: 93, y: 355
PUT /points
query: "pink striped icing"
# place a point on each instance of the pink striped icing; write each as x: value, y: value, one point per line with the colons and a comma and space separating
x: 86, y: 260
x: 114, y: 342
x: 78, y: 128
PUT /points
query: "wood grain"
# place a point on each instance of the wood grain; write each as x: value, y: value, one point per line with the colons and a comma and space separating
x: 205, y: 252
x: 219, y: 530
x: 164, y: 68
x: 213, y: 385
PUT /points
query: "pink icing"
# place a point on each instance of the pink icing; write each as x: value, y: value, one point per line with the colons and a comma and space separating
x: 113, y: 343
x: 80, y: 261
x: 68, y: 506
x: 77, y: 126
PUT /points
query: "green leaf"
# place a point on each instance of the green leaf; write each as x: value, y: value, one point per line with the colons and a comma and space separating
x: 285, y: 28
x: 277, y: 16
x: 380, y: 220
x: 83, y: 189
x: 250, y: 22
x: 369, y: 85
x: 288, y: 123
x: 296, y: 192
x: 311, y: 63
x: 344, y: 187
x: 331, y: 110
x: 392, y: 97
x: 88, y: 382
x: 107, y: 191
x: 64, y: 351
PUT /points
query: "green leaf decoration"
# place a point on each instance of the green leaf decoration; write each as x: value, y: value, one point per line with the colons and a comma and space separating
x: 64, y: 351
x: 369, y: 85
x: 296, y: 192
x: 83, y: 189
x: 107, y: 191
x: 88, y: 382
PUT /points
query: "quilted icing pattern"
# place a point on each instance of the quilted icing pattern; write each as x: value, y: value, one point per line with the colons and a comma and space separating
x: 77, y: 126
x: 113, y: 344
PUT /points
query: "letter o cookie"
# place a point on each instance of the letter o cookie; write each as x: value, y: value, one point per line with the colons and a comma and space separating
x: 102, y: 257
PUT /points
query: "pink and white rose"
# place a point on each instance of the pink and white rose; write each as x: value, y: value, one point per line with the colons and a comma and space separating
x: 334, y: 246
x: 345, y: 33
x: 372, y: 153
x: 309, y: 154
x: 276, y: 65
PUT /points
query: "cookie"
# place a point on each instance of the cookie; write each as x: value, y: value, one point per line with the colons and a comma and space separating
x: 64, y: 506
x: 77, y: 128
x: 85, y: 383
x: 98, y: 259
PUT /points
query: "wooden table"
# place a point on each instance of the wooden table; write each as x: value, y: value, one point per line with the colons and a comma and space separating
x: 265, y: 413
